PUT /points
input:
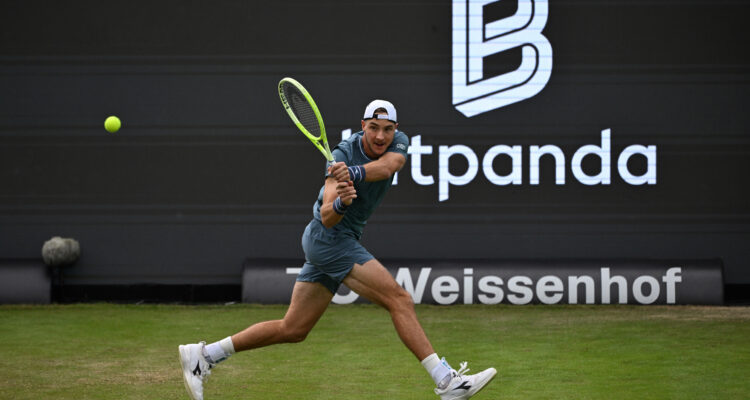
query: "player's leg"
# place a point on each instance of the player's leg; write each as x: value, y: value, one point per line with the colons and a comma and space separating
x: 372, y: 281
x: 309, y: 301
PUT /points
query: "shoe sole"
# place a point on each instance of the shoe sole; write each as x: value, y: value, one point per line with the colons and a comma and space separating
x: 184, y: 358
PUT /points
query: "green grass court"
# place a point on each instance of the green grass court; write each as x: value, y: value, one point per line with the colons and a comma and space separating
x: 106, y: 351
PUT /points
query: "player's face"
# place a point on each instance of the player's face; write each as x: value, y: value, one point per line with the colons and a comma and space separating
x: 378, y: 135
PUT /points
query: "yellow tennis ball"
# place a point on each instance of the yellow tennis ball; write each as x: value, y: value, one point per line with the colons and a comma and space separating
x: 112, y: 124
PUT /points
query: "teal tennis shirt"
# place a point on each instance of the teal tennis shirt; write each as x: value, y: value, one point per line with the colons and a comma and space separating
x: 369, y: 194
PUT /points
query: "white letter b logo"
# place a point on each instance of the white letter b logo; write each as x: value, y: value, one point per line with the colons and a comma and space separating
x: 474, y: 40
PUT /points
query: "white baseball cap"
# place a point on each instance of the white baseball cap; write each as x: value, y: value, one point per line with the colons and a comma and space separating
x: 389, y: 109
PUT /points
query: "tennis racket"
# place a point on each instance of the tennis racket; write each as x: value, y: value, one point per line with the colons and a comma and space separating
x: 302, y: 110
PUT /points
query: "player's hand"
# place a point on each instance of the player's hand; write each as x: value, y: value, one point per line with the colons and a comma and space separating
x: 346, y: 192
x: 339, y: 172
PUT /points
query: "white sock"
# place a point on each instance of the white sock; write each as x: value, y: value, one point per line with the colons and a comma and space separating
x: 438, y: 369
x: 217, y: 352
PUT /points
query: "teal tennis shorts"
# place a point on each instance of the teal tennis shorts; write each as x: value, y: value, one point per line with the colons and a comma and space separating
x: 330, y: 255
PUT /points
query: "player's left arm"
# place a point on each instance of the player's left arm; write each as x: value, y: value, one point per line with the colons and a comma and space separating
x: 390, y: 162
x: 384, y: 167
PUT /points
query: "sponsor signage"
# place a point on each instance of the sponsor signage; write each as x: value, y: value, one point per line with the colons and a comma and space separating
x: 477, y: 36
x: 518, y: 282
x: 601, y: 151
x: 483, y: 30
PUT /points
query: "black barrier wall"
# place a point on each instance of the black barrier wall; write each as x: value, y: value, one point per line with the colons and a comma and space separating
x: 625, y: 136
x: 518, y: 282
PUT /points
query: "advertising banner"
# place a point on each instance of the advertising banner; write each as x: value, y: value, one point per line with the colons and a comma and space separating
x: 545, y: 129
x: 518, y: 281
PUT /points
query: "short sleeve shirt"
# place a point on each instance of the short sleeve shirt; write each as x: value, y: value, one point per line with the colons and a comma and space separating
x: 369, y: 194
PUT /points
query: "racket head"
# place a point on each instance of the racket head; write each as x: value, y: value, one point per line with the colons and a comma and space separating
x: 303, y: 111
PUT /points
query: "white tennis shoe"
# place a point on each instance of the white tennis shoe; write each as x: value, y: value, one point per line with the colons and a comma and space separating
x: 461, y: 386
x: 195, y: 368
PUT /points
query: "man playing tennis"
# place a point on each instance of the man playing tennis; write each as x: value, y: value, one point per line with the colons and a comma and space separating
x: 354, y: 186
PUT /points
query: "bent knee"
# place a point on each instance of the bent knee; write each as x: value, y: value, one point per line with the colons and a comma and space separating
x: 292, y: 334
x: 399, y: 299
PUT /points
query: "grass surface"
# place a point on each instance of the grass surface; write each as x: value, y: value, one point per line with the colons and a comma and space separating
x: 105, y: 351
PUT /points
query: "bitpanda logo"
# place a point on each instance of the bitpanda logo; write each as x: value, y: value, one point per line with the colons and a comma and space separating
x: 477, y: 40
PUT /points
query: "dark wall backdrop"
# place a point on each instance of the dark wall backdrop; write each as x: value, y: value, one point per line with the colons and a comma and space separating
x: 208, y: 169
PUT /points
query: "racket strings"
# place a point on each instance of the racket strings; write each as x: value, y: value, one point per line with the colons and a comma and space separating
x: 302, y: 109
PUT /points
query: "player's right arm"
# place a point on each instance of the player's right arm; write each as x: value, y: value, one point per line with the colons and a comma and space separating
x: 334, y: 189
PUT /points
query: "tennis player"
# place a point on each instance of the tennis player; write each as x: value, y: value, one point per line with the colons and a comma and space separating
x: 354, y: 187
